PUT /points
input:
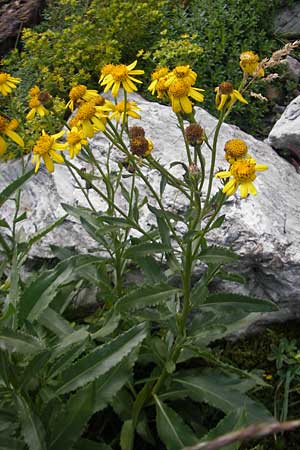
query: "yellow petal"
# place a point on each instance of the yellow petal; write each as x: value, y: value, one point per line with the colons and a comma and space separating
x: 251, y: 188
x: 48, y: 162
x: 244, y: 190
x: 186, y: 105
x: 15, y: 137
x: 223, y: 174
x: 239, y: 96
x: 56, y: 157
x: 3, y: 146
x: 261, y: 167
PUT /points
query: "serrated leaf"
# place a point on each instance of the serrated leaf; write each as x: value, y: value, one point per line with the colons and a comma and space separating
x: 145, y: 296
x: 31, y: 426
x: 101, y: 360
x: 172, y: 430
x: 145, y: 249
x: 217, y: 255
x: 80, y: 212
x: 38, y: 295
x: 12, y: 187
x: 243, y: 302
x: 236, y: 277
x: 213, y: 387
x: 16, y: 341
x: 54, y: 322
x: 151, y: 268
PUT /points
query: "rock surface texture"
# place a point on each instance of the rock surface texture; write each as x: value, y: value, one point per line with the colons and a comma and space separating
x: 287, y: 22
x: 285, y: 135
x: 264, y: 230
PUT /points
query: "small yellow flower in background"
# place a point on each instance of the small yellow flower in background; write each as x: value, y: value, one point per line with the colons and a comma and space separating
x: 7, y: 83
x: 157, y: 75
x: 120, y: 75
x: 75, y: 140
x: 184, y: 73
x: 7, y: 128
x: 249, y: 62
x: 34, y: 91
x: 226, y: 96
x: 235, y: 149
x: 179, y: 91
x: 140, y: 53
x: 243, y: 173
x: 90, y: 118
x: 47, y: 147
x: 268, y: 376
x: 120, y: 111
x: 36, y: 107
x: 79, y: 94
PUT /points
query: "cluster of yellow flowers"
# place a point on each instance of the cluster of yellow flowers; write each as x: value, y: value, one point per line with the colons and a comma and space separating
x: 242, y: 170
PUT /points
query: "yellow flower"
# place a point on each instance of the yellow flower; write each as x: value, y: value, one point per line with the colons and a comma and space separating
x: 7, y: 83
x: 79, y: 94
x: 156, y: 76
x: 75, y: 140
x: 249, y: 62
x: 226, y: 96
x: 106, y: 70
x: 90, y: 118
x: 36, y: 107
x: 46, y: 147
x: 7, y: 128
x: 120, y: 111
x: 121, y: 76
x: 235, y: 149
x: 34, y: 91
x: 184, y: 73
x: 243, y: 173
x: 179, y: 91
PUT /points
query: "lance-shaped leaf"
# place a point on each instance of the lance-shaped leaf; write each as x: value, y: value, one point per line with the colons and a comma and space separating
x: 146, y: 249
x: 39, y: 294
x: 172, y: 430
x: 16, y: 341
x: 12, y: 187
x: 31, y: 426
x: 241, y: 302
x: 145, y: 296
x: 217, y: 255
x: 101, y: 360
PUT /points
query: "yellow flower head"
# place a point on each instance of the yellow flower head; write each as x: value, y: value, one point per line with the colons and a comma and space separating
x: 141, y: 146
x: 243, y: 173
x: 106, y: 70
x: 249, y: 62
x: 120, y: 112
x: 120, y: 75
x: 184, y: 73
x: 90, y: 118
x: 34, y: 91
x: 226, y: 96
x: 36, y: 107
x: 75, y: 140
x: 7, y: 128
x: 159, y: 74
x: 179, y: 91
x: 7, y: 83
x: 235, y: 149
x: 79, y: 94
x: 46, y: 147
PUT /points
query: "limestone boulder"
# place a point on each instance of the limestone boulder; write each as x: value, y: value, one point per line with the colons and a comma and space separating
x: 287, y: 22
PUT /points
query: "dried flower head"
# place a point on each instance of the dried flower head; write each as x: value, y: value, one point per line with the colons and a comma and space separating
x: 141, y: 146
x: 194, y: 134
x: 136, y: 132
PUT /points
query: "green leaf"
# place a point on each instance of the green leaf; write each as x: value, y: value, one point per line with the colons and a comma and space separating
x: 162, y: 213
x: 151, y: 268
x: 69, y: 423
x: 217, y: 255
x: 86, y: 444
x: 127, y: 435
x: 220, y: 391
x: 145, y: 249
x: 4, y: 224
x: 243, y: 302
x: 236, y: 277
x: 21, y: 217
x: 16, y: 341
x: 54, y: 322
x: 115, y: 221
x: 38, y: 295
x: 31, y: 426
x: 145, y: 296
x: 40, y: 234
x: 7, y: 443
x: 101, y: 360
x: 172, y: 430
x: 12, y: 187
x: 217, y: 223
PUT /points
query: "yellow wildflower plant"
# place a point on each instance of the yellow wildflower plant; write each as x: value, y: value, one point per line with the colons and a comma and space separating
x: 157, y: 75
x: 7, y: 83
x: 226, y: 96
x: 122, y: 110
x: 235, y: 149
x: 184, y: 73
x: 47, y: 148
x: 249, y: 62
x: 36, y: 107
x: 90, y: 118
x: 34, y: 91
x: 79, y: 94
x: 7, y: 128
x: 121, y: 75
x: 75, y: 140
x: 179, y: 92
x: 242, y: 173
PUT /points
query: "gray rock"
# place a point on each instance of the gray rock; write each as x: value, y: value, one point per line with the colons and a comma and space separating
x: 264, y: 230
x: 285, y: 135
x: 287, y: 22
x: 293, y: 66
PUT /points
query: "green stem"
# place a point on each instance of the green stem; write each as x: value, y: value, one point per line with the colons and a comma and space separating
x: 187, y: 147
